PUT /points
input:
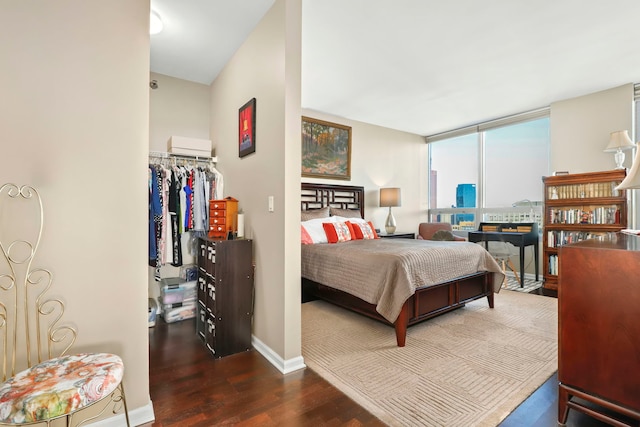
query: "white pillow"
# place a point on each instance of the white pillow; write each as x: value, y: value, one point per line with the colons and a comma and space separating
x: 313, y: 232
x: 344, y: 219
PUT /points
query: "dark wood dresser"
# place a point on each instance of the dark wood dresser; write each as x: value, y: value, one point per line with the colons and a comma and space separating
x: 599, y: 329
x: 225, y: 295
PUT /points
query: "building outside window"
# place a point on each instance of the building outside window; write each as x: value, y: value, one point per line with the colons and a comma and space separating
x: 452, y: 162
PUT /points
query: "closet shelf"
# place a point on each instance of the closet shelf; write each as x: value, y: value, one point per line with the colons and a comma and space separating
x: 166, y: 155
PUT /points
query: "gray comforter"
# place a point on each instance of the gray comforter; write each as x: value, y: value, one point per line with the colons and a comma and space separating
x: 386, y: 272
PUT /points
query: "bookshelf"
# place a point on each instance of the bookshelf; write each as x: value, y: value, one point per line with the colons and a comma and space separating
x: 579, y: 207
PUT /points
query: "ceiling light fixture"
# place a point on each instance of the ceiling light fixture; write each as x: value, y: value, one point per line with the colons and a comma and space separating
x: 155, y: 23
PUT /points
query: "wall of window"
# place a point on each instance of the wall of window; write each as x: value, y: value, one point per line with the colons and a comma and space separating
x: 503, y: 160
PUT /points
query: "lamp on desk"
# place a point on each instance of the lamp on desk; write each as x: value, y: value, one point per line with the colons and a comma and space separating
x: 619, y: 141
x: 390, y: 197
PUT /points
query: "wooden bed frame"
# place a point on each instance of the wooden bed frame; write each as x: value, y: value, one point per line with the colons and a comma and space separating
x: 426, y: 303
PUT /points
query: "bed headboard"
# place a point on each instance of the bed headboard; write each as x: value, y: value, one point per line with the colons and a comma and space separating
x: 316, y: 196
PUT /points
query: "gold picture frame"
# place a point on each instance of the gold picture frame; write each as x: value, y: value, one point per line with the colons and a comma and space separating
x: 326, y: 149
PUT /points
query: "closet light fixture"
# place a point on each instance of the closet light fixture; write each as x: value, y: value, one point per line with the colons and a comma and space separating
x: 155, y: 23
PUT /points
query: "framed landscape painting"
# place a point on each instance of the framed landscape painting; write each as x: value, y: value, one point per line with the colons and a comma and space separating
x: 326, y: 149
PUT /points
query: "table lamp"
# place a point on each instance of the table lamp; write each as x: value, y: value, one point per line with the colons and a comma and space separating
x: 632, y: 180
x: 390, y: 197
x: 619, y: 141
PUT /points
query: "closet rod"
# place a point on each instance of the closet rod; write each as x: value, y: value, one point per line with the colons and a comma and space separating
x: 165, y: 155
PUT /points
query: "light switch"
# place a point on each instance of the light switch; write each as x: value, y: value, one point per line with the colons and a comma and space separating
x: 270, y: 203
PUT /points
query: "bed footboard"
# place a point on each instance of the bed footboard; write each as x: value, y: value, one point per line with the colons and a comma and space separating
x: 426, y: 303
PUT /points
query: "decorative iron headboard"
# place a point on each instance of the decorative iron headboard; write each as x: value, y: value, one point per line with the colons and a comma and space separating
x: 316, y: 196
x: 29, y: 319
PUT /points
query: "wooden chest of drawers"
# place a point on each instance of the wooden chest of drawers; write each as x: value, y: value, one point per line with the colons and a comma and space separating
x: 598, y: 329
x: 223, y: 217
x: 225, y: 295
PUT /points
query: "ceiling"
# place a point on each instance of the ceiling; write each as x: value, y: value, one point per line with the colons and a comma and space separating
x: 421, y: 66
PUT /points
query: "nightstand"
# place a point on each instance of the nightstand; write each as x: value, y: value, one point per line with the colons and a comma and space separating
x: 397, y: 235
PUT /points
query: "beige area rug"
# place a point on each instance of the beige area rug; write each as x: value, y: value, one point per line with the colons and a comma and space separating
x: 469, y: 367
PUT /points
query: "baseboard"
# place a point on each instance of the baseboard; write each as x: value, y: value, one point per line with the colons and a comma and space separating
x: 137, y: 417
x: 284, y: 366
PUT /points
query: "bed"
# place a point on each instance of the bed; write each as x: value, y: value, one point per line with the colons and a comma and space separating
x: 400, y: 282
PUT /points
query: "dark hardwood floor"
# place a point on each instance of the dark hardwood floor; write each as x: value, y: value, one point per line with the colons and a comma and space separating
x: 189, y: 387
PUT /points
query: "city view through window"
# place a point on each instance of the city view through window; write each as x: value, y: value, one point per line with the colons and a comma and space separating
x: 491, y: 175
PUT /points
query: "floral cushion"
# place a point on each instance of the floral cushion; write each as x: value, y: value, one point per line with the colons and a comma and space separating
x: 59, y: 386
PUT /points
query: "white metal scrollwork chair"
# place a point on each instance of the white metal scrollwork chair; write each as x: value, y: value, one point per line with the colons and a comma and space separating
x: 501, y: 252
x: 53, y: 386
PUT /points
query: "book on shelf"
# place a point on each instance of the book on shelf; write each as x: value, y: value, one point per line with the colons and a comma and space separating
x: 593, y: 215
x: 562, y: 237
x: 553, y: 265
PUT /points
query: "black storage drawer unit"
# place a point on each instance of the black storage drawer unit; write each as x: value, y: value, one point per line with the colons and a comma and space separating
x: 225, y: 294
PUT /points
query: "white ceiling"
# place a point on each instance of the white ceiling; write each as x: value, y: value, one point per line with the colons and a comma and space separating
x: 422, y: 66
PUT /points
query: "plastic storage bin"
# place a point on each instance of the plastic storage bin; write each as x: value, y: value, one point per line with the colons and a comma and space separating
x: 153, y: 312
x: 177, y: 300
x: 175, y: 290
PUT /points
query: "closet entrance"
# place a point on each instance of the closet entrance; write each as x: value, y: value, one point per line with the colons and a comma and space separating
x: 180, y: 188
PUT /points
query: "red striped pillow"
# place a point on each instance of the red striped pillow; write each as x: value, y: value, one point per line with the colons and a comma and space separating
x: 338, y: 231
x: 364, y: 230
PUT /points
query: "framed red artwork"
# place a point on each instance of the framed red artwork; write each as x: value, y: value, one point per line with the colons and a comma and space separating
x: 247, y: 128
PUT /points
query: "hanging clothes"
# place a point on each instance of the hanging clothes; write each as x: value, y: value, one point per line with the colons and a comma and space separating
x: 178, y: 202
x: 167, y: 235
x: 188, y: 211
x: 217, y: 184
x: 155, y: 220
x: 174, y: 209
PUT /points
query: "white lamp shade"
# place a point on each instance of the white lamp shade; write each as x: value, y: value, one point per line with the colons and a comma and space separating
x: 632, y: 179
x: 619, y: 140
x: 390, y: 197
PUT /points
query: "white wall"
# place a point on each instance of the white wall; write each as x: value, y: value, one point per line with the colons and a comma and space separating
x: 267, y: 67
x: 74, y: 119
x: 177, y: 107
x: 383, y: 157
x: 580, y: 129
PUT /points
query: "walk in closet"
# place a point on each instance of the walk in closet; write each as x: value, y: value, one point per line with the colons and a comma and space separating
x: 180, y: 187
x: 202, y: 266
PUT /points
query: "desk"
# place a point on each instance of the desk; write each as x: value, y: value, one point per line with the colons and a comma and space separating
x: 519, y: 239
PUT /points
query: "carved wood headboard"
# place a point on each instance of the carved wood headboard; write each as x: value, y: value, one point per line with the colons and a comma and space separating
x: 316, y: 196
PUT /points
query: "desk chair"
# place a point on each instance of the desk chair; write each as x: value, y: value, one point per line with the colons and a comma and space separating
x: 53, y: 385
x: 501, y: 252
